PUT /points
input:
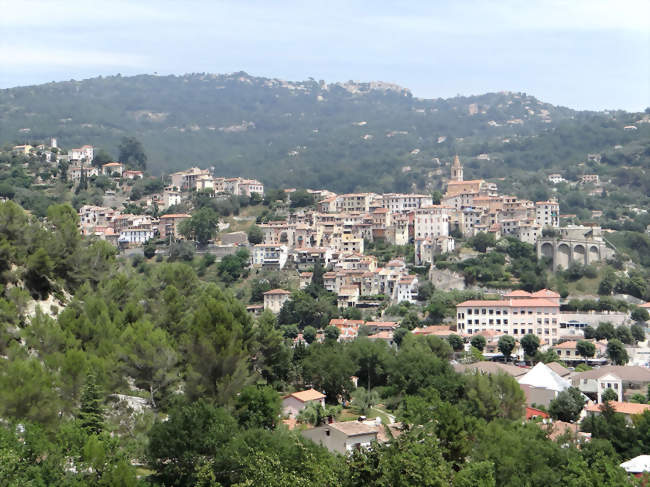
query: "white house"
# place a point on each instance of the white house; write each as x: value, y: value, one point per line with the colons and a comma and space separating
x: 295, y: 402
x: 273, y: 256
x: 343, y: 437
x: 84, y: 153
x: 135, y: 235
x: 407, y: 289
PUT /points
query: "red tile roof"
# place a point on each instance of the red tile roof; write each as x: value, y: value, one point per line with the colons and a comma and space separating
x: 277, y: 291
x: 631, y: 408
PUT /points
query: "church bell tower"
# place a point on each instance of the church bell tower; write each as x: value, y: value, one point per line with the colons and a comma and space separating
x: 456, y: 170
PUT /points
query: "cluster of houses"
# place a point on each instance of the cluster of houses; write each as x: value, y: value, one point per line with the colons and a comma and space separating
x: 343, y: 222
x: 127, y: 229
x: 195, y: 179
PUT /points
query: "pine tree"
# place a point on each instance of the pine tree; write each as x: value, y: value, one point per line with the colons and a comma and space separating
x: 91, y: 413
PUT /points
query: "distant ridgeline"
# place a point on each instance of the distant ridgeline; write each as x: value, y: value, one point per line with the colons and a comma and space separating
x: 342, y: 136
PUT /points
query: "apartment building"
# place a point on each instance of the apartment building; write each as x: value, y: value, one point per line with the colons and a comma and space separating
x: 547, y: 214
x: 270, y: 256
x: 399, y: 203
x: 520, y: 313
x: 431, y: 221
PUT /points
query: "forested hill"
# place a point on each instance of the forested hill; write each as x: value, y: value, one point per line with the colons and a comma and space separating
x: 342, y: 136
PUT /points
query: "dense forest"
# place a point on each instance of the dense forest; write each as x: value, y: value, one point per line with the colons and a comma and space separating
x: 312, y: 134
x: 127, y: 372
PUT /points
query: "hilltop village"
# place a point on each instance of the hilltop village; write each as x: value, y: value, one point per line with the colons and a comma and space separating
x: 492, y: 282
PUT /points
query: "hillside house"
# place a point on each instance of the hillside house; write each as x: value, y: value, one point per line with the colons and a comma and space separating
x: 275, y: 299
x: 295, y: 402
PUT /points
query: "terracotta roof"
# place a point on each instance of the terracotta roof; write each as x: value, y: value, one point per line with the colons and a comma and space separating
x: 518, y: 293
x: 484, y: 303
x: 622, y: 407
x: 534, y: 302
x: 570, y: 344
x: 177, y: 215
x: 432, y: 330
x: 546, y: 293
x: 532, y: 412
x: 308, y: 395
x: 645, y: 305
x: 276, y: 291
x: 383, y: 335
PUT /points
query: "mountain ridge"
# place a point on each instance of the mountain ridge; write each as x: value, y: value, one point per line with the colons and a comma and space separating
x: 297, y: 133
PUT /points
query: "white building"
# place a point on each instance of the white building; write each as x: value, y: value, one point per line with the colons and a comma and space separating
x: 555, y: 178
x: 407, y: 289
x: 547, y: 214
x: 398, y: 203
x: 84, y: 153
x: 431, y: 221
x: 269, y: 255
x: 135, y: 235
x: 519, y: 314
x: 343, y: 437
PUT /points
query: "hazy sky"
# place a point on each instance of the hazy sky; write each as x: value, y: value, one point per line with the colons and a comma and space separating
x: 587, y: 54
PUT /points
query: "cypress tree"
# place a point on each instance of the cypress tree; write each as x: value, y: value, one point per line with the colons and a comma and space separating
x: 91, y: 413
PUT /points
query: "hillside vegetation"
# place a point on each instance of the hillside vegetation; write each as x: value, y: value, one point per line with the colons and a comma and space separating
x: 343, y: 137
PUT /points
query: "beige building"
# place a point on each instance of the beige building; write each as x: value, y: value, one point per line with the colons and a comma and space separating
x: 168, y: 224
x: 517, y: 315
x: 113, y: 168
x: 275, y: 299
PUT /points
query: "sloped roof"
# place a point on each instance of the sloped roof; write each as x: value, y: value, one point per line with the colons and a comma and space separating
x: 276, y: 291
x: 632, y: 373
x: 559, y: 369
x: 543, y: 377
x: 545, y: 293
x: 638, y: 464
x: 621, y: 407
x: 308, y: 395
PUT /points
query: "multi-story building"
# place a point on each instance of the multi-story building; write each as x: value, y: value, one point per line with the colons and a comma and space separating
x: 135, y: 236
x: 354, y: 202
x: 398, y: 203
x: 269, y: 256
x: 275, y: 299
x: 186, y: 180
x: 168, y: 225
x: 432, y: 221
x: 84, y: 153
x: 520, y: 313
x: 547, y: 214
x: 113, y: 168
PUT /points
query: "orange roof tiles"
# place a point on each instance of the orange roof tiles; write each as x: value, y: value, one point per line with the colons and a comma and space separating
x: 276, y: 291
x: 308, y: 395
x: 570, y: 344
x: 484, y: 303
x: 622, y: 407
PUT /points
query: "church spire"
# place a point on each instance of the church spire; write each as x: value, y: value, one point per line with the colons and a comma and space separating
x: 456, y: 170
